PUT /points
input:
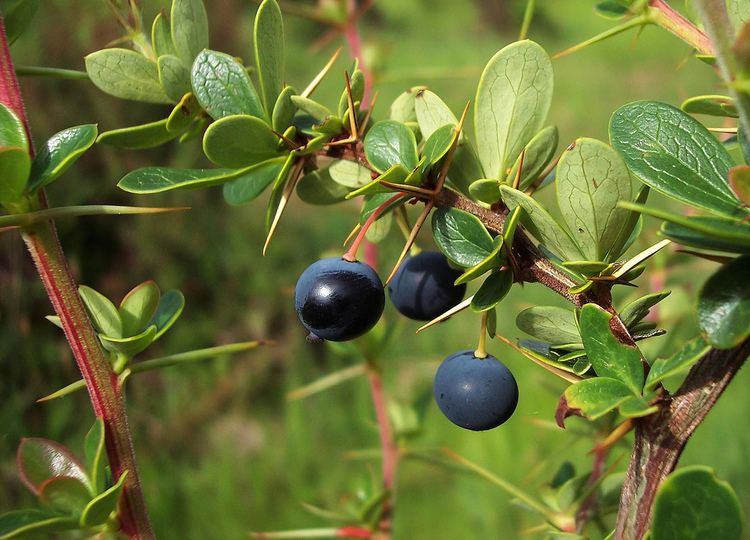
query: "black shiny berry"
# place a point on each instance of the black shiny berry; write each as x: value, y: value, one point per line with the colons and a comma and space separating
x: 474, y: 393
x: 339, y: 300
x: 423, y: 286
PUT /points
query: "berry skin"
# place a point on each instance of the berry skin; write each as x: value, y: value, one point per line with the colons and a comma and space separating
x: 423, y: 286
x: 474, y: 393
x: 339, y: 300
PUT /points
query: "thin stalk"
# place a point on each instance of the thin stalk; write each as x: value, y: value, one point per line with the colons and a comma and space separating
x: 528, y: 14
x: 55, y: 73
x: 351, y: 254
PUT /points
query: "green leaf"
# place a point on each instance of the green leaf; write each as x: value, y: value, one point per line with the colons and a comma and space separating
x: 138, y: 306
x: 611, y: 9
x: 390, y: 143
x: 357, y: 85
x: 403, y: 108
x: 609, y: 356
x: 379, y: 230
x: 269, y: 51
x: 174, y: 76
x: 536, y: 156
x: 167, y: 312
x: 139, y: 137
x: 674, y: 154
x: 253, y: 182
x: 712, y: 105
x: 597, y: 396
x: 461, y: 236
x: 432, y: 113
x: 31, y: 522
x: 158, y: 179
x: 96, y: 455
x: 739, y: 181
x: 42, y: 459
x: 59, y: 153
x: 349, y: 173
x: 319, y: 188
x: 486, y: 190
x: 317, y: 111
x: 17, y: 15
x: 103, y: 313
x: 693, y: 504
x: 189, y: 28
x: 240, y: 141
x: 184, y: 114
x: 630, y: 230
x: 491, y: 262
x: 373, y: 202
x: 65, y: 494
x: 551, y: 324
x: 12, y: 130
x: 677, y: 363
x: 724, y: 305
x: 513, y: 98
x: 284, y: 110
x: 637, y: 407
x: 126, y: 74
x: 99, y: 508
x: 692, y: 238
x: 438, y: 144
x: 591, y: 179
x: 541, y: 224
x: 639, y: 308
x: 223, y: 87
x: 15, y: 166
x: 396, y: 174
x: 492, y: 291
x: 161, y: 37
x: 129, y: 346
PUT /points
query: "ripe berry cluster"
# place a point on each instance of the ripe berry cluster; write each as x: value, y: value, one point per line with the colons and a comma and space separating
x: 339, y: 300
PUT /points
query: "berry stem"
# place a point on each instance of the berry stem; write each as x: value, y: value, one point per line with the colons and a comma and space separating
x: 481, y: 351
x: 351, y: 253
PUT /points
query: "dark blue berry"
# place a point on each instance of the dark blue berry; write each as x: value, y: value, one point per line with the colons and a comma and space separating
x: 339, y: 300
x: 423, y: 286
x: 474, y: 393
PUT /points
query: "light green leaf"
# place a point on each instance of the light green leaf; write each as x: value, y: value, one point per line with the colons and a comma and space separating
x: 513, y: 98
x: 637, y: 407
x: 174, y: 77
x: 184, y: 114
x: 349, y: 173
x: 64, y: 494
x: 677, y: 363
x: 240, y: 141
x: 403, y: 107
x: 461, y: 236
x: 139, y: 137
x: 189, y: 28
x: 630, y: 231
x: 609, y: 356
x: 126, y: 74
x: 317, y: 111
x: 223, y: 87
x: 284, y: 110
x: 712, y: 105
x: 129, y: 346
x: 597, y: 396
x: 541, y: 224
x: 103, y: 313
x: 158, y: 179
x: 252, y: 182
x: 31, y: 522
x: 97, y: 511
x: 12, y: 130
x: 551, y: 324
x: 161, y: 36
x: 357, y: 85
x: 59, y: 153
x: 41, y: 459
x: 432, y: 113
x: 96, y: 456
x: 591, y: 179
x: 15, y: 166
x: 674, y: 154
x: 639, y: 308
x: 138, y: 306
x: 724, y: 305
x: 536, y: 156
x: 486, y: 190
x: 693, y: 504
x: 269, y: 51
x: 492, y: 291
x: 390, y: 143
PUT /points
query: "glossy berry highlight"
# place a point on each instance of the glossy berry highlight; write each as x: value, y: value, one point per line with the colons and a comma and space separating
x: 339, y: 300
x: 423, y: 288
x: 475, y: 393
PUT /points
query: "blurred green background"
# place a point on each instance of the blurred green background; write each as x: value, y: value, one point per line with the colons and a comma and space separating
x: 221, y: 450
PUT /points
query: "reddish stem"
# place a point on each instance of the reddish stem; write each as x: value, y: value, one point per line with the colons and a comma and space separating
x: 354, y: 40
x: 107, y: 400
x: 351, y: 253
x: 668, y: 18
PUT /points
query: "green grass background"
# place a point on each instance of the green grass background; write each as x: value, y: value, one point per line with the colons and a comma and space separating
x: 221, y: 450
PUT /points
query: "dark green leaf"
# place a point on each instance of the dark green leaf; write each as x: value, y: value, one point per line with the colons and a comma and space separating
x: 103, y: 313
x: 609, y: 356
x: 139, y: 137
x: 373, y: 202
x: 357, y: 85
x: 438, y: 144
x: 491, y: 262
x: 674, y: 154
x: 59, y: 153
x: 492, y: 291
x: 98, y: 510
x: 639, y: 308
x: 189, y: 28
x: 554, y: 325
x: 637, y: 407
x: 284, y: 110
x: 724, y: 305
x: 611, y: 9
x: 158, y: 179
x: 96, y: 456
x: 129, y: 346
x: 223, y: 87
x: 486, y: 190
x: 240, y: 141
x: 317, y: 187
x: 183, y: 114
x: 17, y: 15
x: 677, y: 363
x: 536, y: 156
x: 31, y: 522
x: 42, y: 459
x: 253, y: 182
x: 138, y: 306
x: 390, y: 143
x: 126, y: 74
x: 174, y: 76
x: 693, y: 504
x: 513, y: 98
x: 630, y: 230
x: 269, y: 52
x: 64, y: 494
x: 168, y: 311
x: 461, y: 236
